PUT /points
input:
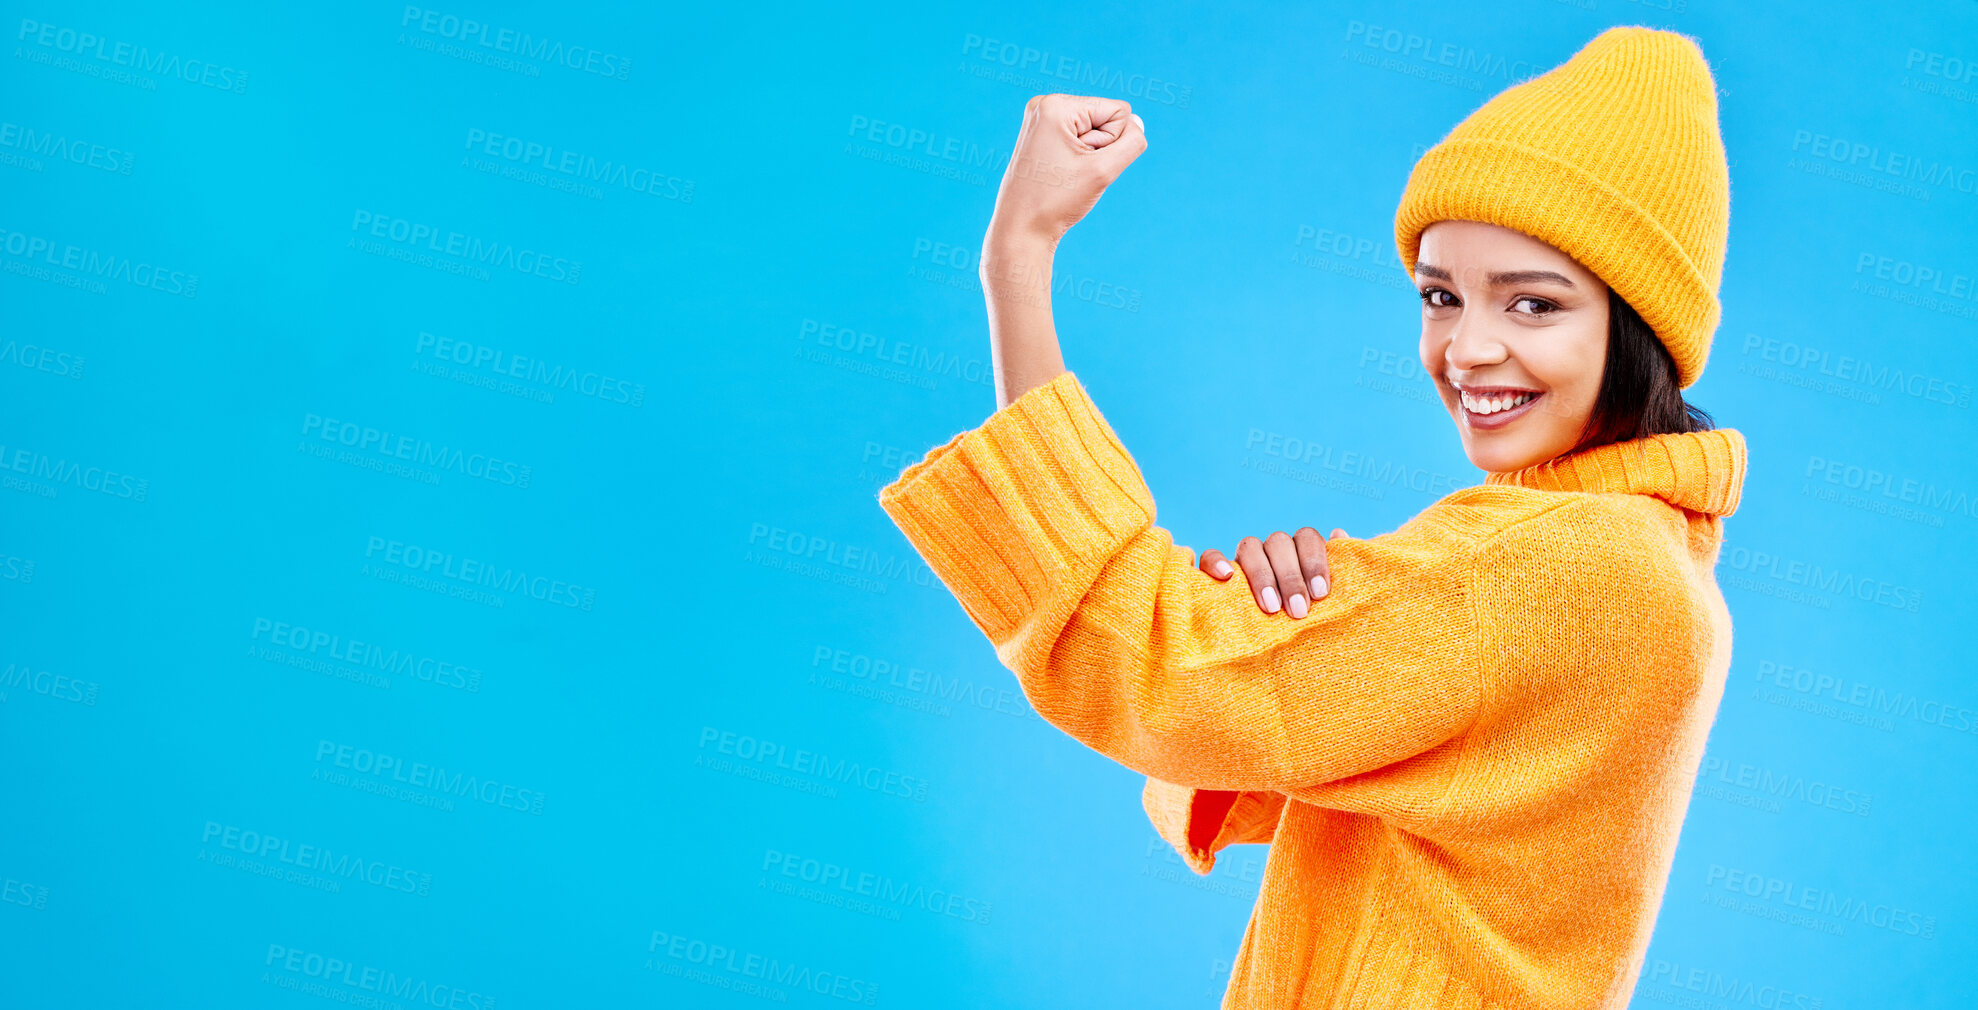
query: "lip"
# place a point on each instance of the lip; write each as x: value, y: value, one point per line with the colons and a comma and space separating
x: 1487, y: 422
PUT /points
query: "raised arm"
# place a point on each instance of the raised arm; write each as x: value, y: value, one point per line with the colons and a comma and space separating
x: 1042, y: 526
x: 1068, y: 150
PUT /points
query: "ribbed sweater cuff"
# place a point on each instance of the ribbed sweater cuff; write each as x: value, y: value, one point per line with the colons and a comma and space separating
x: 1174, y: 810
x: 1006, y: 512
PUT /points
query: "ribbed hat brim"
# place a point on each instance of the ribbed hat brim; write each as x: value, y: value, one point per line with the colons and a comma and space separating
x: 1498, y: 182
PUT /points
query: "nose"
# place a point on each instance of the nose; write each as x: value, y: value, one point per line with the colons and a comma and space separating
x: 1472, y: 345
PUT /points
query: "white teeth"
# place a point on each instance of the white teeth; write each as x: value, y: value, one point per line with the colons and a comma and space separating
x: 1494, y: 404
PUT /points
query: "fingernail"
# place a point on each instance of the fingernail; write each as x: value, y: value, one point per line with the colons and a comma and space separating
x: 1270, y: 600
x: 1222, y: 569
x: 1297, y: 605
x: 1318, y: 587
x: 1138, y: 121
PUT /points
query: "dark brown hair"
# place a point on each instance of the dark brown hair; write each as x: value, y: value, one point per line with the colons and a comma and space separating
x: 1638, y: 392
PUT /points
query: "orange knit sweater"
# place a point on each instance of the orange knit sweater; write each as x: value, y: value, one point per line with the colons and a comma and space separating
x: 1471, y: 760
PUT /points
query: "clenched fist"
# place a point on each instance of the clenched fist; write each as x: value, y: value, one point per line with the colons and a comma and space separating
x: 1069, y: 149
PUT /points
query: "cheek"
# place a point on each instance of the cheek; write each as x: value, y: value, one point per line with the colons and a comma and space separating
x: 1571, y: 368
x: 1590, y: 360
x: 1430, y: 353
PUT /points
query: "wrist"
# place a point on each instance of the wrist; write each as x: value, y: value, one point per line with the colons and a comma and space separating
x: 1019, y: 241
x: 1017, y: 270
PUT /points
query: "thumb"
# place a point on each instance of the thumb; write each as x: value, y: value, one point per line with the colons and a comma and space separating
x: 1131, y: 141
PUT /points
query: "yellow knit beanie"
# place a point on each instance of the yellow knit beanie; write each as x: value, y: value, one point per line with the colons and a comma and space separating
x: 1615, y: 158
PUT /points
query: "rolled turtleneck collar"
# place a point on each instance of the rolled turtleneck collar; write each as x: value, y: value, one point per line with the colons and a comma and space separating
x: 1702, y: 471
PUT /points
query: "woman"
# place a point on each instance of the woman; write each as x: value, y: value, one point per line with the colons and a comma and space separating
x: 1471, y: 746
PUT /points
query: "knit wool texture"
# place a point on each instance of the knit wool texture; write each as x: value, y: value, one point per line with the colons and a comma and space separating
x: 1471, y: 759
x: 1613, y: 157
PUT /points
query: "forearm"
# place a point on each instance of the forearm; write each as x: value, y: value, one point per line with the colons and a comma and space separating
x: 1016, y: 285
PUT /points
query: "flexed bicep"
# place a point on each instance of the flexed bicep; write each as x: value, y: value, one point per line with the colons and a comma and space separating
x: 1044, y: 529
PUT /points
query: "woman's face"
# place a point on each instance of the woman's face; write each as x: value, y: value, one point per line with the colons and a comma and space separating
x: 1514, y: 334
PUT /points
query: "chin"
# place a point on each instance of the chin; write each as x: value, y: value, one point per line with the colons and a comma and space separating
x: 1495, y: 459
x: 1502, y: 452
x: 1527, y: 441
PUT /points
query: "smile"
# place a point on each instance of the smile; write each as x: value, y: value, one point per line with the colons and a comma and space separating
x: 1497, y: 408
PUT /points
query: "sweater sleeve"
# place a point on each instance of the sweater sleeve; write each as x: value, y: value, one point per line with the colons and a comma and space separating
x: 1042, y: 526
x: 1199, y: 823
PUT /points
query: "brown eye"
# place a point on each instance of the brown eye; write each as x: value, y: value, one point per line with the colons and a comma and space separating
x: 1429, y: 300
x: 1544, y: 307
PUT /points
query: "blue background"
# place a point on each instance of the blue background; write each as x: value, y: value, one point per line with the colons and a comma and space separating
x: 772, y: 315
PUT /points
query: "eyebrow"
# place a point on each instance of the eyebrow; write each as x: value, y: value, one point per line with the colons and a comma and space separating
x: 1501, y: 277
